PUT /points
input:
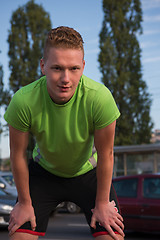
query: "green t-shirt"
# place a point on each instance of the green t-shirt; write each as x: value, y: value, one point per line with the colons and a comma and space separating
x: 64, y: 134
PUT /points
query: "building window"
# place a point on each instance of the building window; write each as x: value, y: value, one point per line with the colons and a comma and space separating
x: 118, y: 165
x: 158, y: 161
x: 140, y: 163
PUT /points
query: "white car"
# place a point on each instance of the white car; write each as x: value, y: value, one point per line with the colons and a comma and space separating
x: 7, y: 202
x: 7, y: 183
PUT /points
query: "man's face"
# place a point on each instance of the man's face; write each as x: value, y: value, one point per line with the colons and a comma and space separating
x: 63, y: 69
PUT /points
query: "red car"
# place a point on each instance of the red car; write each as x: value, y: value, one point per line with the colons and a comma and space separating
x: 139, y: 199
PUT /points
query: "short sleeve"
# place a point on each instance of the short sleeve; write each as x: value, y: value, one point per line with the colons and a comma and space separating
x: 105, y: 110
x: 18, y: 114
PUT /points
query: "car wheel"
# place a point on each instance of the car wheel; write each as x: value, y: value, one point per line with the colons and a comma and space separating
x: 72, y: 208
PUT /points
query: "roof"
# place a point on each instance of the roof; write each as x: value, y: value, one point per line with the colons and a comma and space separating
x: 138, y: 148
x: 142, y: 175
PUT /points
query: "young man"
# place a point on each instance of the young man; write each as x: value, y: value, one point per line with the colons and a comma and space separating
x: 66, y: 112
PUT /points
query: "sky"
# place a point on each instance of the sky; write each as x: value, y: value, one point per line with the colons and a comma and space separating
x: 86, y: 16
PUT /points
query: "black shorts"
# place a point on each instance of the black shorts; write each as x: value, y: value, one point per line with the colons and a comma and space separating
x: 48, y: 190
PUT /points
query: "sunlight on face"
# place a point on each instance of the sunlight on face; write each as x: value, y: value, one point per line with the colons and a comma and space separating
x: 63, y: 70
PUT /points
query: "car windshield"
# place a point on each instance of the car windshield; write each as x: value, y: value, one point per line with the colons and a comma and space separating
x: 9, y: 179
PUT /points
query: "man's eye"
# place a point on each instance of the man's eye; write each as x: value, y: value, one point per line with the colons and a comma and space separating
x: 74, y: 68
x: 56, y: 68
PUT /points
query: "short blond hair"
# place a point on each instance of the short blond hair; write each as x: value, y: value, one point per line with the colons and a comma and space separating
x: 63, y: 37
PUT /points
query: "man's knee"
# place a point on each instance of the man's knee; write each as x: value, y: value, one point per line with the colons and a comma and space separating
x: 23, y: 236
x: 108, y: 237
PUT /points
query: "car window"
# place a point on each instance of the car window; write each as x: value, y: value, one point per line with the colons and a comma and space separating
x: 2, y: 193
x: 126, y: 187
x: 151, y: 188
x: 9, y: 179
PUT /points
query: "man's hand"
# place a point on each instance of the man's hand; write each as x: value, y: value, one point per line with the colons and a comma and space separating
x: 108, y: 217
x: 21, y: 214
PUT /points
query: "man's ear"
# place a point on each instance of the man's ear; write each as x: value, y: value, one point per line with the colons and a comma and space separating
x: 42, y: 66
x: 83, y: 64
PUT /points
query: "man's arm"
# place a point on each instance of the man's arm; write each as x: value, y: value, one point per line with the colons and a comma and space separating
x: 104, y: 211
x: 23, y: 210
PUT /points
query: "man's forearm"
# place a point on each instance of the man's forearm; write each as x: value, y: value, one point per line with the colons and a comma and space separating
x: 104, y: 178
x: 21, y: 177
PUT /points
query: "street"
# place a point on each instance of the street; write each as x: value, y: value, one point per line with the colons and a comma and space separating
x: 65, y: 226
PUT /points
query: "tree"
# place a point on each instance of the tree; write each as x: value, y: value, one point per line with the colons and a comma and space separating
x: 1, y: 94
x: 1, y: 85
x: 4, y: 96
x: 29, y: 26
x: 120, y: 66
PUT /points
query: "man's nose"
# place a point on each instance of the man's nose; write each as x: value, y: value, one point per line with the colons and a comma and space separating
x: 65, y: 76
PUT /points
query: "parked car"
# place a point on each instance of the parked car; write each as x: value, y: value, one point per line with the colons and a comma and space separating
x: 139, y: 199
x: 7, y: 201
x: 7, y: 183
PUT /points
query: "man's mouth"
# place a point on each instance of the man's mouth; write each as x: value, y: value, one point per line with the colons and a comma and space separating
x: 63, y: 88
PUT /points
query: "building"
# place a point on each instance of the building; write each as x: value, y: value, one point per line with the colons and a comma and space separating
x: 155, y: 136
x: 137, y: 159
